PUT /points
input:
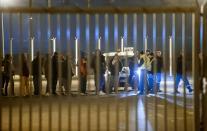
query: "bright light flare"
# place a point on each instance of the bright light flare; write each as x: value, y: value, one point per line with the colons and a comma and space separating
x: 7, y: 2
x: 99, y: 43
x: 122, y: 44
x: 138, y: 72
x: 32, y: 48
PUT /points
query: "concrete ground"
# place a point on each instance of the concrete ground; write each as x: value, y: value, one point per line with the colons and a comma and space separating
x: 124, y: 111
x: 121, y: 112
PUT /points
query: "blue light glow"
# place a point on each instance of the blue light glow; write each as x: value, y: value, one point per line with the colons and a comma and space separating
x: 138, y: 72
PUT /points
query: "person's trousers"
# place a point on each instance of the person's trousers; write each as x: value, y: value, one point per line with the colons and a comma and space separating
x: 54, y: 84
x: 5, y: 82
x: 24, y: 86
x: 66, y: 83
x: 185, y: 80
x: 143, y: 80
x: 100, y: 82
x: 158, y: 80
x: 37, y: 85
x: 83, y: 81
x: 150, y: 80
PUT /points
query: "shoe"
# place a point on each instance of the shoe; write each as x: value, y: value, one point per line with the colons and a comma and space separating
x: 55, y: 94
x: 102, y: 93
x: 82, y: 94
x: 177, y: 92
x: 159, y: 90
x: 47, y: 94
x: 191, y: 91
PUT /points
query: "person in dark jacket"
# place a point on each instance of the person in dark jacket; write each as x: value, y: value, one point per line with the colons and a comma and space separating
x: 24, y: 84
x: 54, y: 72
x: 158, y: 70
x: 98, y: 65
x: 83, y: 74
x: 8, y: 74
x: 179, y: 75
x: 115, y: 66
x: 37, y: 74
x: 67, y: 74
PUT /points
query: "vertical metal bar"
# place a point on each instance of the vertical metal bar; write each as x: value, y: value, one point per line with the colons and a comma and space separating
x: 195, y: 74
x: 60, y: 115
x: 30, y: 116
x: 135, y: 45
x: 48, y: 57
x: 50, y: 116
x: 117, y: 114
x: 89, y: 116
x: 2, y: 33
x: 174, y: 71
x: 145, y: 32
x: 59, y: 45
x: 184, y: 71
x: 69, y: 54
x: 127, y: 114
x: 116, y: 31
x: 170, y: 55
x: 78, y: 49
x: 49, y: 81
x: 10, y: 34
x: 88, y: 60
x: 106, y: 38
x: 108, y: 116
x: 69, y: 116
x: 10, y: 116
x: 79, y: 116
x: 125, y: 29
x: 164, y: 70
x: 97, y: 34
x: 21, y: 40
x: 31, y: 42
x: 40, y: 115
x: 136, y: 113
x: 126, y: 38
x: 11, y: 88
x: 97, y: 60
x: 98, y: 116
x: 155, y: 69
x: 40, y: 49
x: 145, y: 79
x: 203, y: 74
x: 87, y: 39
x: 0, y: 117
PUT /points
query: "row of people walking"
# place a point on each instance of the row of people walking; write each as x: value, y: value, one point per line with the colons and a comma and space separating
x: 62, y: 68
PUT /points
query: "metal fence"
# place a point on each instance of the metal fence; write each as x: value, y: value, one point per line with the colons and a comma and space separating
x: 77, y: 32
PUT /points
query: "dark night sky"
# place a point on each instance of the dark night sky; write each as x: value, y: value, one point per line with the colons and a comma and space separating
x: 65, y: 27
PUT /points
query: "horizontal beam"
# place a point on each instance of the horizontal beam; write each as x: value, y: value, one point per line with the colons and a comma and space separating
x: 94, y: 10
